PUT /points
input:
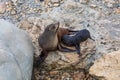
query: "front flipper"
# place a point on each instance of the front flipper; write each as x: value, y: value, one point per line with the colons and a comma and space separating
x: 77, y: 46
x: 64, y: 49
x: 42, y: 57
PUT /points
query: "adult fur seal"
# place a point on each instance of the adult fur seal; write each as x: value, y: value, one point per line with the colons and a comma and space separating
x: 48, y: 40
x: 76, y: 39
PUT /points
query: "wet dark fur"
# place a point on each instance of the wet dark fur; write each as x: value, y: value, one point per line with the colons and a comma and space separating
x: 76, y: 39
x: 60, y: 33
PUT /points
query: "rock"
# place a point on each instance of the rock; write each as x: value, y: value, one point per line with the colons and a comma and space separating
x: 46, y: 2
x: 9, y: 6
x: 2, y: 7
x: 14, y: 1
x: 52, y: 57
x: 60, y: 60
x: 24, y: 24
x: 68, y: 4
x: 84, y: 1
x: 54, y: 72
x: 55, y: 1
x: 71, y: 58
x: 78, y: 75
x: 117, y: 11
x: 13, y: 12
x: 16, y: 50
x: 66, y: 76
x: 56, y: 4
x: 93, y: 6
x: 37, y: 1
x: 106, y: 1
x: 110, y: 5
x: 108, y: 66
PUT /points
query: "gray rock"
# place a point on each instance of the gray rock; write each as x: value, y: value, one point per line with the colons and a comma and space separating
x: 2, y: 7
x: 16, y: 50
x: 54, y: 1
x: 107, y: 67
x: 68, y: 4
x: 110, y: 5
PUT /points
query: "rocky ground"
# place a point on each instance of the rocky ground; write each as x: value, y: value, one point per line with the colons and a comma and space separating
x: 100, y: 17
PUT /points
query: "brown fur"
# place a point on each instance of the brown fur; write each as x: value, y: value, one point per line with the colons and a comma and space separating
x: 48, y: 40
x: 61, y: 32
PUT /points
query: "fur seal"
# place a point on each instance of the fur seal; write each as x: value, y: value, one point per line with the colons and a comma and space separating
x: 50, y: 39
x: 76, y: 39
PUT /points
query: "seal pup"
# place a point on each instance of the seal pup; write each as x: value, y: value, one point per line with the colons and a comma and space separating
x: 76, y: 39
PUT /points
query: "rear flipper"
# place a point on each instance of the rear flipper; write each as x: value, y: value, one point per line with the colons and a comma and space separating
x: 42, y: 57
x: 91, y: 38
x: 64, y: 49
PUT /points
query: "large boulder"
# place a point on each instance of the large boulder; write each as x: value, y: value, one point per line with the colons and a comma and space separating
x: 16, y: 53
x: 107, y: 67
x: 35, y: 26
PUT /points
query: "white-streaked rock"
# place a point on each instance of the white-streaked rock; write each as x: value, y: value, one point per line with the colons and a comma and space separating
x: 108, y: 66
